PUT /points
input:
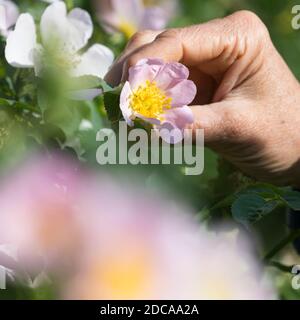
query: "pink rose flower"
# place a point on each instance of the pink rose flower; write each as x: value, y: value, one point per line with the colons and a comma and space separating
x: 37, y: 211
x: 130, y: 16
x: 99, y: 238
x: 159, y: 93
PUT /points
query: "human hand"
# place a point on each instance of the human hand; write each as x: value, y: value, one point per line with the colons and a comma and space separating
x: 248, y: 101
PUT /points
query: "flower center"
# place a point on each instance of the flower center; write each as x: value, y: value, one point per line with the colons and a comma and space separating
x: 128, y: 29
x: 150, y: 101
x: 150, y: 3
x: 63, y: 58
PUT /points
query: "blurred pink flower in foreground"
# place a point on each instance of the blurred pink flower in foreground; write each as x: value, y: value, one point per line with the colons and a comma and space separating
x: 130, y: 16
x: 37, y: 211
x: 159, y: 93
x: 103, y: 242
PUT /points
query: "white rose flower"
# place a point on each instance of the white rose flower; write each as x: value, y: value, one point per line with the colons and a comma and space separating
x: 62, y: 32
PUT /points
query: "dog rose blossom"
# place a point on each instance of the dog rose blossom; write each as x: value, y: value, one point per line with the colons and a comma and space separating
x: 131, y: 16
x: 159, y: 93
x: 63, y: 221
x: 62, y: 35
x: 159, y: 252
x: 42, y: 223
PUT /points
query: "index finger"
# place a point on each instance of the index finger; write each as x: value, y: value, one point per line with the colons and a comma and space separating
x: 138, y: 40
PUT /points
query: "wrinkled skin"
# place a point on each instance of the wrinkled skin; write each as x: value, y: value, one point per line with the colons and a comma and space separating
x: 248, y: 100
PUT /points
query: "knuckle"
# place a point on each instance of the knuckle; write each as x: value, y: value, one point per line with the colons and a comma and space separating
x: 249, y: 30
x: 251, y: 21
x: 141, y: 35
x: 170, y: 39
x: 140, y: 38
x: 132, y: 60
x: 234, y: 125
x: 246, y: 16
x: 135, y: 38
x: 169, y: 33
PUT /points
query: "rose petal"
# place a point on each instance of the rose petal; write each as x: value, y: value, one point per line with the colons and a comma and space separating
x: 171, y: 74
x: 124, y: 103
x: 183, y: 93
x: 3, y: 23
x: 154, y: 18
x: 128, y: 11
x: 53, y: 25
x: 96, y: 62
x: 179, y: 117
x: 151, y: 62
x: 21, y: 42
x: 69, y: 33
x: 176, y: 119
x: 169, y: 133
x: 145, y: 69
x: 150, y: 120
x: 9, y: 13
x: 116, y: 15
x: 81, y: 19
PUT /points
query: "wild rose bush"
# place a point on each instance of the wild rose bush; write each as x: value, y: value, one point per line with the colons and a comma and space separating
x: 63, y: 234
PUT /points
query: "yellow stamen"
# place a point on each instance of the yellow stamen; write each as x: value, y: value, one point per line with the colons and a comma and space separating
x: 150, y: 3
x: 150, y: 101
x: 128, y: 29
x: 120, y: 275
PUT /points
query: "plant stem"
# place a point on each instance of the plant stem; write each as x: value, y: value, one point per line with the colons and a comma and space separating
x: 294, y: 234
x: 280, y: 266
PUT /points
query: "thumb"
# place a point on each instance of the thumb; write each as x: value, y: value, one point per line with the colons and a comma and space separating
x: 220, y: 121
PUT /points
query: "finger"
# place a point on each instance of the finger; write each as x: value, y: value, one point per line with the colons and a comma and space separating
x: 166, y: 46
x: 222, y: 122
x: 191, y: 46
x: 141, y: 38
x: 213, y: 47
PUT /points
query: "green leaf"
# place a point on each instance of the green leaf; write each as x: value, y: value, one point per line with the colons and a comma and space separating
x: 226, y: 202
x: 85, y: 82
x: 264, y: 190
x: 105, y: 87
x: 250, y: 208
x: 88, y: 82
x: 95, y: 116
x: 67, y: 118
x: 6, y: 102
x: 112, y: 104
x: 43, y: 101
x: 292, y: 199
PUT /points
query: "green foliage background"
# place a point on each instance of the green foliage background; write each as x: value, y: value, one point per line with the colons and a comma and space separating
x: 221, y: 194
